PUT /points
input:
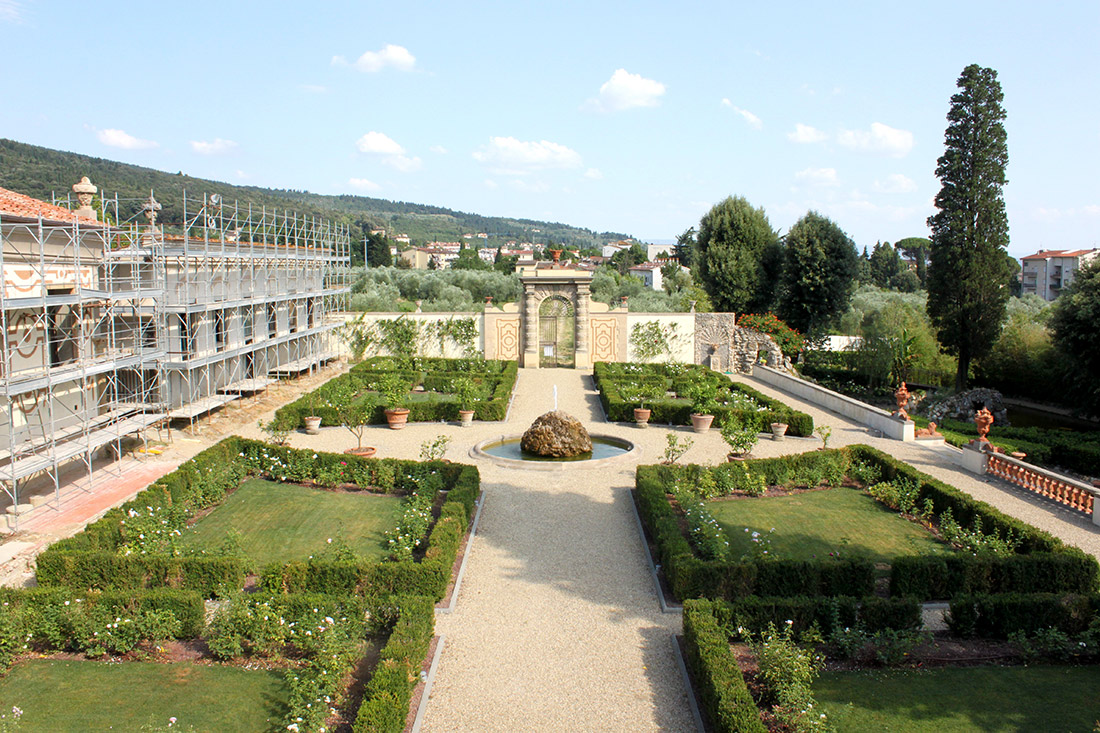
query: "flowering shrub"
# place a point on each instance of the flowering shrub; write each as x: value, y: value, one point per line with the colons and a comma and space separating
x: 786, y: 338
x: 707, y: 536
x: 788, y: 672
x: 974, y: 540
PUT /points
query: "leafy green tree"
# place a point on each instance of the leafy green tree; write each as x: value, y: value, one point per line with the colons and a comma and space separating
x: 917, y: 249
x: 468, y: 259
x: 819, y: 272
x: 738, y: 256
x: 378, y: 251
x: 1074, y: 329
x: 968, y: 274
x: 673, y: 277
x: 624, y: 259
x: 685, y: 248
x: 905, y: 281
x: 863, y: 269
x: 885, y: 264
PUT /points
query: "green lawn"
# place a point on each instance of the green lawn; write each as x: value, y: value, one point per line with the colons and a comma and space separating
x: 1052, y: 699
x: 815, y: 523
x: 284, y: 522
x: 70, y: 695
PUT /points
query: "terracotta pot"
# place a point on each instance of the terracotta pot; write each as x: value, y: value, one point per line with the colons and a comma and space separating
x: 641, y: 416
x: 701, y: 423
x: 735, y: 457
x: 313, y: 424
x: 366, y: 451
x: 779, y: 429
x: 466, y: 417
x: 397, y: 417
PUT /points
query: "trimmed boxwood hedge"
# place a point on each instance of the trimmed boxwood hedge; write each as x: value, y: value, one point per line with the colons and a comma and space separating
x: 727, y: 704
x: 754, y: 613
x: 1000, y: 615
x: 1043, y: 562
x: 90, y: 559
x: 610, y: 378
x: 186, y: 606
x: 388, y: 693
x: 497, y: 378
x: 691, y: 577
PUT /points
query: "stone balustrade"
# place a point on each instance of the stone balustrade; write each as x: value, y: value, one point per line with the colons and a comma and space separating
x: 1063, y: 489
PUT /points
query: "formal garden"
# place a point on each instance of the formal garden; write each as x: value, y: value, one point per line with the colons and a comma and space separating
x: 256, y: 587
x: 804, y: 581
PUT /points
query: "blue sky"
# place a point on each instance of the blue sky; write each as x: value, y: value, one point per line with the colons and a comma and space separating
x: 632, y: 117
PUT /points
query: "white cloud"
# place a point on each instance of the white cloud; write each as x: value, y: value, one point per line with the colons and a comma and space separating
x: 533, y: 187
x: 217, y: 147
x: 896, y: 183
x: 391, y: 153
x: 396, y: 56
x: 1092, y: 210
x: 491, y: 184
x: 363, y: 184
x: 806, y: 134
x: 754, y: 122
x: 124, y: 140
x: 313, y: 88
x: 378, y: 143
x: 10, y: 11
x: 242, y: 175
x: 818, y: 176
x: 626, y: 91
x: 438, y: 149
x: 509, y: 156
x: 594, y: 173
x: 879, y: 139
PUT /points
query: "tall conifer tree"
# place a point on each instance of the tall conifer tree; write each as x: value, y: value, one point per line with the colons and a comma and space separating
x: 968, y: 273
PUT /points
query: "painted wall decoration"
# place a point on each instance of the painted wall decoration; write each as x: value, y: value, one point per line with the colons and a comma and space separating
x: 507, y: 338
x: 605, y: 338
x: 23, y: 281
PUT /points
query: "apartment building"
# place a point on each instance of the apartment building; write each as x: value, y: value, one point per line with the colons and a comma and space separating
x: 1049, y: 271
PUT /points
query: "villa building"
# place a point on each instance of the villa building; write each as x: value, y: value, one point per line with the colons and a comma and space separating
x: 1049, y: 271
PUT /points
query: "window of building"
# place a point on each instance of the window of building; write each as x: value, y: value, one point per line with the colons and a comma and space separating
x: 272, y: 321
x: 293, y: 317
x: 311, y: 312
x: 219, y: 330
x: 61, y: 330
x: 246, y: 321
x: 187, y: 335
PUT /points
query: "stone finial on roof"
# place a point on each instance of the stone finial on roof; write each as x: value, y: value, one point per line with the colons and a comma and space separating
x: 84, y: 191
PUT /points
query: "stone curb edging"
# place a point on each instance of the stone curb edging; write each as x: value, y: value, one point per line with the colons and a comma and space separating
x: 693, y: 703
x: 477, y: 452
x: 428, y: 681
x: 450, y: 607
x: 665, y: 608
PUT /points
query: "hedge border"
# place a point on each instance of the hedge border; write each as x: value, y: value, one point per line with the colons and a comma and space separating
x: 618, y: 409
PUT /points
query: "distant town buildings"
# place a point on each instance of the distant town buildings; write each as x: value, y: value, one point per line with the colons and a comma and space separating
x: 1049, y: 271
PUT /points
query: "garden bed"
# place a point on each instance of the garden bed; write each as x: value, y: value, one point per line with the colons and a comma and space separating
x: 674, y: 391
x: 701, y: 558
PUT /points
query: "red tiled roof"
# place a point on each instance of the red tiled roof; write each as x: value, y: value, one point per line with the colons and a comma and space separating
x: 25, y: 207
x: 1058, y: 253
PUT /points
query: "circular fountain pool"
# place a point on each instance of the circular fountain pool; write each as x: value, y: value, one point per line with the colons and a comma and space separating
x: 505, y: 450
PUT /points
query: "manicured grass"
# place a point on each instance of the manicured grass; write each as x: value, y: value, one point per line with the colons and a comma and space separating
x: 988, y: 699
x: 815, y: 523
x: 58, y: 695
x: 285, y: 522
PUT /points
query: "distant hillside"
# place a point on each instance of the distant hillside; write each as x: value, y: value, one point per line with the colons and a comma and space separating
x: 40, y: 172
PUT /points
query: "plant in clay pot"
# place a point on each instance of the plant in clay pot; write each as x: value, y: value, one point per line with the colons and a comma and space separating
x: 643, y: 395
x: 312, y: 421
x: 703, y: 395
x: 394, y: 391
x: 467, y: 395
x: 740, y: 438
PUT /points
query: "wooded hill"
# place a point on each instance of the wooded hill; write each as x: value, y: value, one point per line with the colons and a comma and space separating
x: 42, y: 172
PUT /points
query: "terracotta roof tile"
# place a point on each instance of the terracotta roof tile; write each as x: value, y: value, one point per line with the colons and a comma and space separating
x: 18, y: 205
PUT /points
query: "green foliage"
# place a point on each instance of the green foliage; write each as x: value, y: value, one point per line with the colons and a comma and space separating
x: 1074, y: 332
x: 968, y: 274
x: 740, y: 438
x: 738, y: 256
x: 788, y: 340
x: 652, y: 339
x: 378, y: 251
x: 676, y: 448
x: 392, y: 289
x: 726, y: 701
x: 788, y: 672
x: 819, y: 271
x: 999, y: 616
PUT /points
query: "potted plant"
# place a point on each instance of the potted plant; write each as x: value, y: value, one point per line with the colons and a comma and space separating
x: 740, y: 438
x: 312, y: 421
x: 354, y: 415
x: 779, y: 429
x: 643, y: 395
x: 394, y: 391
x: 466, y: 393
x: 702, y: 394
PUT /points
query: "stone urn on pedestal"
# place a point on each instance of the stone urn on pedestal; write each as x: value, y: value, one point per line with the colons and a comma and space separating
x: 779, y: 429
x: 901, y: 396
x: 983, y: 421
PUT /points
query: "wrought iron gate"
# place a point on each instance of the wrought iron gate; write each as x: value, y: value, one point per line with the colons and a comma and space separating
x: 557, y: 326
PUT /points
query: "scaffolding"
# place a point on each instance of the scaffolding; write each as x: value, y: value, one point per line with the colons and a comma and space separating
x: 79, y: 365
x: 251, y: 295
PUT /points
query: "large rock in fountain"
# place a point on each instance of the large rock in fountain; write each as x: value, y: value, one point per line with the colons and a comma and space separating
x: 556, y: 434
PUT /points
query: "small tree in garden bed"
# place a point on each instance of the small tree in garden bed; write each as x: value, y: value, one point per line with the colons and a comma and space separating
x: 738, y: 436
x: 676, y: 448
